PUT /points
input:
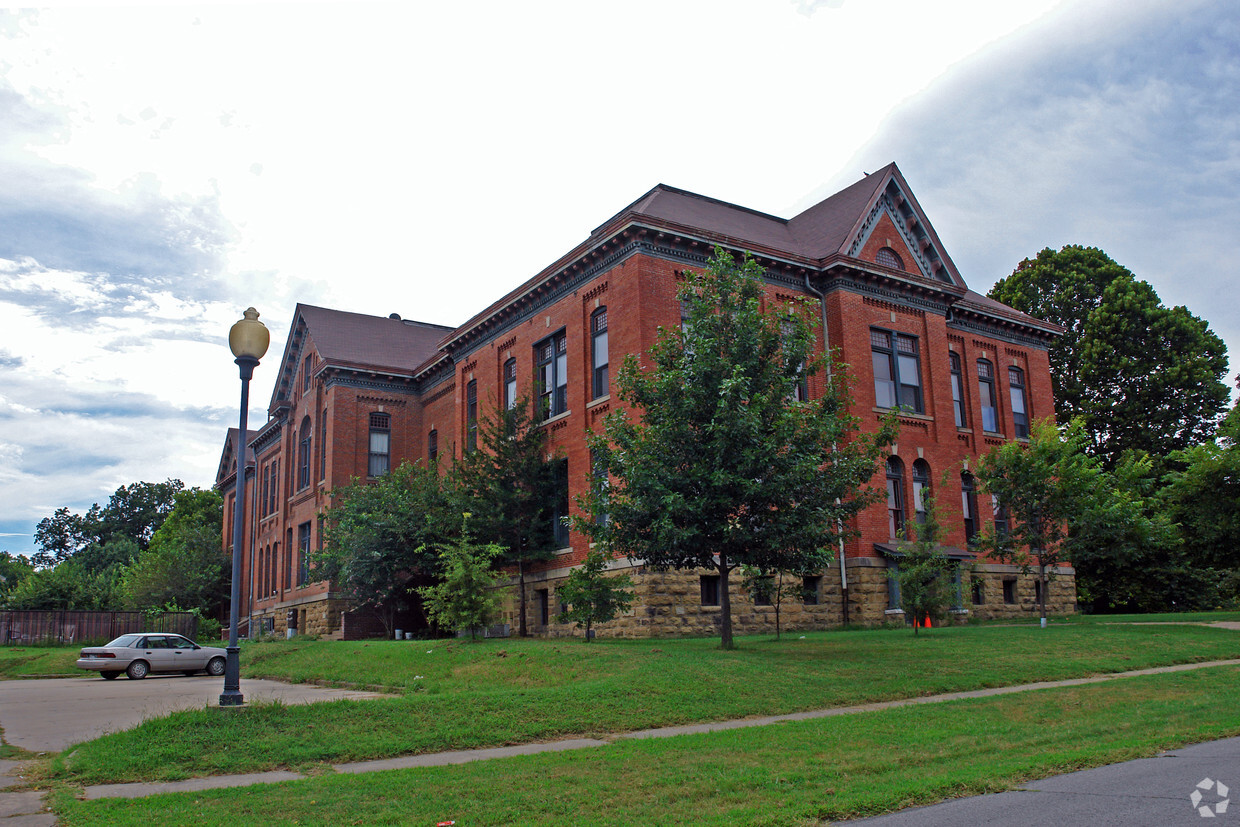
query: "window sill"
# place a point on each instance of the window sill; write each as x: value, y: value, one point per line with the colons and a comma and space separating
x: 599, y: 400
x: 556, y: 418
x: 560, y: 552
x: 905, y: 414
x: 963, y: 430
x: 893, y: 612
x: 994, y: 434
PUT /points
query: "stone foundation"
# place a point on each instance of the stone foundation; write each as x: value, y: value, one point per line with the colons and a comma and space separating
x: 325, y: 616
x: 670, y: 603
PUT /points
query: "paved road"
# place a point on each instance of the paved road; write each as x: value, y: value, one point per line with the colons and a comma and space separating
x: 48, y: 715
x: 1151, y: 792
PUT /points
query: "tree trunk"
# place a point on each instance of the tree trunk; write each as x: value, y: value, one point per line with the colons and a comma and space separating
x: 521, y: 630
x: 725, y: 606
x: 779, y: 598
x: 1042, y: 590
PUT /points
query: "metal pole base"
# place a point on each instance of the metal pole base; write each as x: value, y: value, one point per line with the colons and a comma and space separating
x: 231, y: 695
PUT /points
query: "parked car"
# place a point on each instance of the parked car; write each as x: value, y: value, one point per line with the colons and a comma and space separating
x: 138, y: 655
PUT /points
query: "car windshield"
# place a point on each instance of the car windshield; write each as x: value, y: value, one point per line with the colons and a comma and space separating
x: 125, y: 641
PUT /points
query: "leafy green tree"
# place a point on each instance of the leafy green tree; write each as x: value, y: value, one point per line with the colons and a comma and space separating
x: 510, y: 482
x: 925, y: 575
x: 1140, y: 376
x: 1202, y: 496
x: 717, y: 464
x: 134, y: 512
x: 466, y: 596
x: 184, y: 565
x: 380, y: 536
x: 592, y: 595
x: 14, y: 568
x: 67, y: 586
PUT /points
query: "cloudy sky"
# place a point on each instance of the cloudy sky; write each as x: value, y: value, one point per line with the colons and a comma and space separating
x: 164, y: 166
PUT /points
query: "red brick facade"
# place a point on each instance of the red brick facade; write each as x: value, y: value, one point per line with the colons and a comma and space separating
x: 867, y: 256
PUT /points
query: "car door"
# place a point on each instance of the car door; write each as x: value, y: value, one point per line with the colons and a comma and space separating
x: 189, y: 657
x: 157, y: 654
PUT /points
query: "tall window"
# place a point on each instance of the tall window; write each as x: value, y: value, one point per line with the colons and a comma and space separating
x: 303, y: 554
x: 986, y: 393
x: 304, y: 453
x: 958, y: 391
x: 598, y: 350
x: 471, y: 415
x: 305, y: 373
x: 921, y: 488
x: 968, y: 506
x: 323, y: 446
x: 1020, y: 415
x: 1001, y: 516
x: 510, y: 384
x: 275, y: 486
x: 559, y: 508
x: 551, y: 366
x: 800, y: 391
x: 897, y: 370
x: 262, y: 500
x: 895, y: 496
x: 380, y: 445
x: 710, y: 589
x: 601, y: 482
x: 432, y: 445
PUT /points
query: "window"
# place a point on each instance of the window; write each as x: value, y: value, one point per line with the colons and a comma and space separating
x: 800, y: 391
x: 551, y: 375
x: 323, y: 446
x: 763, y: 590
x: 888, y: 257
x: 1020, y: 416
x: 986, y: 391
x: 979, y: 592
x: 958, y: 392
x: 1001, y: 516
x: 1009, y: 590
x: 303, y: 554
x: 471, y: 415
x: 380, y: 445
x: 601, y: 483
x: 921, y: 488
x: 893, y: 586
x: 895, y: 496
x: 303, y: 457
x: 432, y: 445
x: 598, y: 349
x: 897, y: 370
x: 559, y: 508
x: 543, y: 599
x: 510, y: 384
x: 305, y: 373
x: 968, y: 506
x: 809, y: 590
x: 272, y: 586
x: 275, y: 486
x: 710, y: 589
x: 262, y: 498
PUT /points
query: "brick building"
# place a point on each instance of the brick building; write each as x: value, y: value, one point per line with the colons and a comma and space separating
x: 358, y: 394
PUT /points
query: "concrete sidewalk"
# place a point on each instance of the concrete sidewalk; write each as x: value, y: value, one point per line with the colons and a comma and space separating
x: 141, y: 789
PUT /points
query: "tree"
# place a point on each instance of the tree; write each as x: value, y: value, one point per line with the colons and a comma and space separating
x: 593, y: 596
x: 134, y: 512
x: 184, y: 565
x: 510, y: 482
x: 717, y: 464
x: 1202, y: 496
x: 925, y: 575
x: 380, y: 536
x: 1140, y: 376
x: 63, y: 534
x: 66, y: 586
x: 14, y: 568
x: 1059, y: 500
x: 466, y: 595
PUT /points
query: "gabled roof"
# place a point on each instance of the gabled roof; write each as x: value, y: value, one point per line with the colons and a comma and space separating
x: 228, y: 455
x: 356, y: 340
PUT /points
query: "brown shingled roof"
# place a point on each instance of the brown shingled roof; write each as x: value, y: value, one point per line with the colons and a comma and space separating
x: 348, y: 338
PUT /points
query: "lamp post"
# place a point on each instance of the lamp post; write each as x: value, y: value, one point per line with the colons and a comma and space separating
x: 248, y: 340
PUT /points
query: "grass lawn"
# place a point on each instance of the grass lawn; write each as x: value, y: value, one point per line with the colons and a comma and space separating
x: 459, y: 695
x: 38, y: 661
x: 792, y: 773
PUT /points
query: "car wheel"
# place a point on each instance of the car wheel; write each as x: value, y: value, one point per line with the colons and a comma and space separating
x: 110, y: 676
x: 137, y: 670
x: 215, y: 667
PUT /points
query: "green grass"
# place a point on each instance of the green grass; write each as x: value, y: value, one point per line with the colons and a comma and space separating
x: 793, y: 773
x: 1168, y: 617
x: 40, y: 661
x: 513, y: 691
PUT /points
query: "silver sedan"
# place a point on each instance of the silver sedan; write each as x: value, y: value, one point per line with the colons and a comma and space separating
x: 140, y: 654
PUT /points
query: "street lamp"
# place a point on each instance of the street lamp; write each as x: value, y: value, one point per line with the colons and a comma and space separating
x: 248, y: 339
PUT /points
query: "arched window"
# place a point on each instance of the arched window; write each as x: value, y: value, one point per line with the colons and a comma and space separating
x: 921, y: 488
x: 895, y: 496
x: 304, y: 453
x: 986, y: 393
x: 1020, y: 413
x: 888, y: 257
x: 968, y: 506
x: 598, y: 348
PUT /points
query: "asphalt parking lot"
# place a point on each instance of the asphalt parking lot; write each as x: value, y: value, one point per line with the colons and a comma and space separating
x: 48, y: 715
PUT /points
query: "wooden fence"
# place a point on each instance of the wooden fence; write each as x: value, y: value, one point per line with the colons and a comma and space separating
x: 35, y: 627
